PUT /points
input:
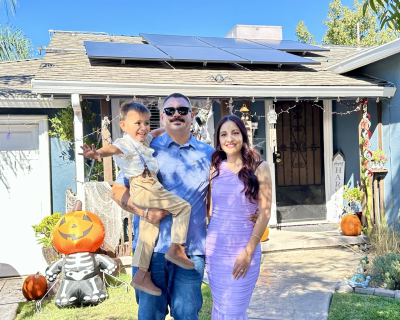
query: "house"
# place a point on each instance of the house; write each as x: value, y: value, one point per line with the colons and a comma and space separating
x: 306, y: 136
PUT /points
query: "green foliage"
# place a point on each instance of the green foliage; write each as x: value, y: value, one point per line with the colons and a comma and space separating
x: 388, y: 270
x: 341, y: 23
x: 365, y: 307
x: 342, y: 26
x: 303, y: 35
x: 14, y: 45
x: 10, y: 4
x: 44, y: 230
x: 63, y: 122
x: 388, y: 12
x: 352, y: 195
x: 379, y: 156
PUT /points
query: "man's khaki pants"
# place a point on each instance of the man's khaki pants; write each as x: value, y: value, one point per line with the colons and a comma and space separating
x: 149, y: 193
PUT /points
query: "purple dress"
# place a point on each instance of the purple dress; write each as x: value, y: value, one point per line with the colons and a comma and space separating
x: 227, y: 236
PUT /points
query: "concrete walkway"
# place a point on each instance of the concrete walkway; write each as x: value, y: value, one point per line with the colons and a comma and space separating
x: 299, y: 284
x: 10, y: 296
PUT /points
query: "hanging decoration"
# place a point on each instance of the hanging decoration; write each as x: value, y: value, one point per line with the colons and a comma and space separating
x: 272, y: 116
x: 366, y: 134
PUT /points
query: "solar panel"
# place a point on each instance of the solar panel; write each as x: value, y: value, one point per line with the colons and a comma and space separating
x: 231, y: 43
x: 269, y: 56
x: 167, y: 40
x: 201, y: 54
x: 288, y: 45
x: 128, y: 51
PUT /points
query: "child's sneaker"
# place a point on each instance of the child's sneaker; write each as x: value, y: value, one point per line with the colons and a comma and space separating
x: 176, y: 254
x: 142, y: 281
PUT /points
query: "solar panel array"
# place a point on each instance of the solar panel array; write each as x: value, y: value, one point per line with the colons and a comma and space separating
x: 204, y: 49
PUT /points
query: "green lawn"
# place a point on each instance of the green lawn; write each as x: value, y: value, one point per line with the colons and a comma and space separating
x: 348, y: 306
x: 120, y: 305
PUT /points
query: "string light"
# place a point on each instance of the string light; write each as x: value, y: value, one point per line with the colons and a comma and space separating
x: 253, y: 100
x: 108, y: 98
x: 316, y: 100
x: 297, y: 99
x: 275, y: 100
x: 231, y: 100
x: 338, y: 99
x: 377, y: 100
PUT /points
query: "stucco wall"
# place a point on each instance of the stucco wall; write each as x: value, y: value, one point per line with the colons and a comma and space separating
x: 389, y: 70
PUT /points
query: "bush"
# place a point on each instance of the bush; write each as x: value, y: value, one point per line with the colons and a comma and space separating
x: 387, y: 270
x: 44, y: 230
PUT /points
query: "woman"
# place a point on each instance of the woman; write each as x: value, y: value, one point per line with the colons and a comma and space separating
x: 240, y: 182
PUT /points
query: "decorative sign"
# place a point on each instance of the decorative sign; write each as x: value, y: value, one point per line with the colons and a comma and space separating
x: 337, y: 183
x: 272, y: 115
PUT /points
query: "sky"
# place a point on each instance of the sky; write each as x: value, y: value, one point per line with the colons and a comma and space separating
x: 191, y: 17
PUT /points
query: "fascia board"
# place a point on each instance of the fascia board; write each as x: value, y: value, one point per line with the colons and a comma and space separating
x: 29, y: 103
x: 366, y: 57
x: 130, y: 89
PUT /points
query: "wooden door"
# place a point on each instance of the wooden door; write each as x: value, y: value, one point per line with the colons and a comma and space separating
x: 299, y: 175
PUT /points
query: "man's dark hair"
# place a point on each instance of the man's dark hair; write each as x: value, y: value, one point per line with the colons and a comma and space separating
x: 132, y: 106
x: 176, y: 96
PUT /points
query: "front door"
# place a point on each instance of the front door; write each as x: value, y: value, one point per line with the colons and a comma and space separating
x: 300, y: 192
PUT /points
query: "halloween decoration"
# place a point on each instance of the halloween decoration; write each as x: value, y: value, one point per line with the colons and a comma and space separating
x: 78, y: 234
x: 350, y: 225
x: 358, y: 280
x: 34, y: 287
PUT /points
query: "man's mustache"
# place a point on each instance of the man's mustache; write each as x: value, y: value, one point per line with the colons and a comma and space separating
x: 177, y: 119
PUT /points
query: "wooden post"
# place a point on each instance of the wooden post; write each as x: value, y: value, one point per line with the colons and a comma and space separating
x: 362, y: 182
x: 376, y: 202
x: 106, y: 138
x: 382, y: 199
x: 380, y: 137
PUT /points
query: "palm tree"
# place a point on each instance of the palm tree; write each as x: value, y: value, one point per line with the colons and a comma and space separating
x: 14, y: 45
x: 10, y: 4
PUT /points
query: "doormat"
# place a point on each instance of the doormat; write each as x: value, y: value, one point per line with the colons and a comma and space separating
x: 311, y: 228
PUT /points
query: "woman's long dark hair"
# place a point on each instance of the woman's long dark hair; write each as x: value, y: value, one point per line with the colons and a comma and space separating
x: 251, y: 159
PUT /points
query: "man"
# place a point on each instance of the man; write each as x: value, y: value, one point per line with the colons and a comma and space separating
x: 184, y: 170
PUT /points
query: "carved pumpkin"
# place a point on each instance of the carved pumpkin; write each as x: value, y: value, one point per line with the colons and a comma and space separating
x: 265, y: 235
x: 78, y: 231
x: 34, y: 287
x: 350, y: 225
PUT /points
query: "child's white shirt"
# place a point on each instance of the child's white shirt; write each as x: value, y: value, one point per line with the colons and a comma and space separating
x: 129, y: 161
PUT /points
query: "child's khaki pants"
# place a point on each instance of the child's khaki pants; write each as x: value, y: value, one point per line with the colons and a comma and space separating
x: 149, y: 193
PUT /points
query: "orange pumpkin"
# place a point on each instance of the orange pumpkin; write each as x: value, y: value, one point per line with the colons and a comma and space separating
x: 350, y: 225
x: 34, y: 287
x: 78, y: 231
x: 265, y: 235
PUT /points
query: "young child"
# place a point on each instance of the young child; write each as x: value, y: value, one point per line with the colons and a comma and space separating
x: 133, y: 155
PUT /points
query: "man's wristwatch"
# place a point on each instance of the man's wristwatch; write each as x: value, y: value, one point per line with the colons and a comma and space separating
x: 145, y: 213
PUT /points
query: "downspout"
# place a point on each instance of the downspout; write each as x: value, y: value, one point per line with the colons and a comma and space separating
x: 79, y: 160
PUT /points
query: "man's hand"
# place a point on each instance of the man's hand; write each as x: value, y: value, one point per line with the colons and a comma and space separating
x: 253, y: 217
x: 155, y: 215
x: 90, y: 153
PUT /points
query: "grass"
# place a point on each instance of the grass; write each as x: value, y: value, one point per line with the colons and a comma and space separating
x: 363, y: 307
x: 119, y: 305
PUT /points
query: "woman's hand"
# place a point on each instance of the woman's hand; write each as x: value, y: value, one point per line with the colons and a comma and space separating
x: 242, y: 264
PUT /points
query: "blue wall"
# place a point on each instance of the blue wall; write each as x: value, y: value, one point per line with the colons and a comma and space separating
x: 389, y: 70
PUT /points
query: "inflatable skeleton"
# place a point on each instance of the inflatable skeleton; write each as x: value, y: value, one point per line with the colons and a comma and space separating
x: 78, y: 234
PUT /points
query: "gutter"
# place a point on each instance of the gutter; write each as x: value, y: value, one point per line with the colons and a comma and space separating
x: 146, y: 89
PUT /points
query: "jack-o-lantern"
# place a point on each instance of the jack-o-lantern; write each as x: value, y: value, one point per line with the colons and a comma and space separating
x: 79, y: 231
x: 34, y: 287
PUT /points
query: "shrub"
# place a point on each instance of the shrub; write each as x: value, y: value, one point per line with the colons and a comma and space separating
x: 387, y: 270
x: 44, y: 230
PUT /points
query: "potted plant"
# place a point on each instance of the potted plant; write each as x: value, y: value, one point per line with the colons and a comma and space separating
x: 351, y: 223
x: 44, y: 233
x: 379, y: 158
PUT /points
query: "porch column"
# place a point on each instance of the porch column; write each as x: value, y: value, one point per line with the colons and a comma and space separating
x: 79, y: 160
x: 328, y: 152
x: 270, y: 159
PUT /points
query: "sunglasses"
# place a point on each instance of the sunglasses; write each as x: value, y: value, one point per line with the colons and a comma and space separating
x: 183, y: 111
